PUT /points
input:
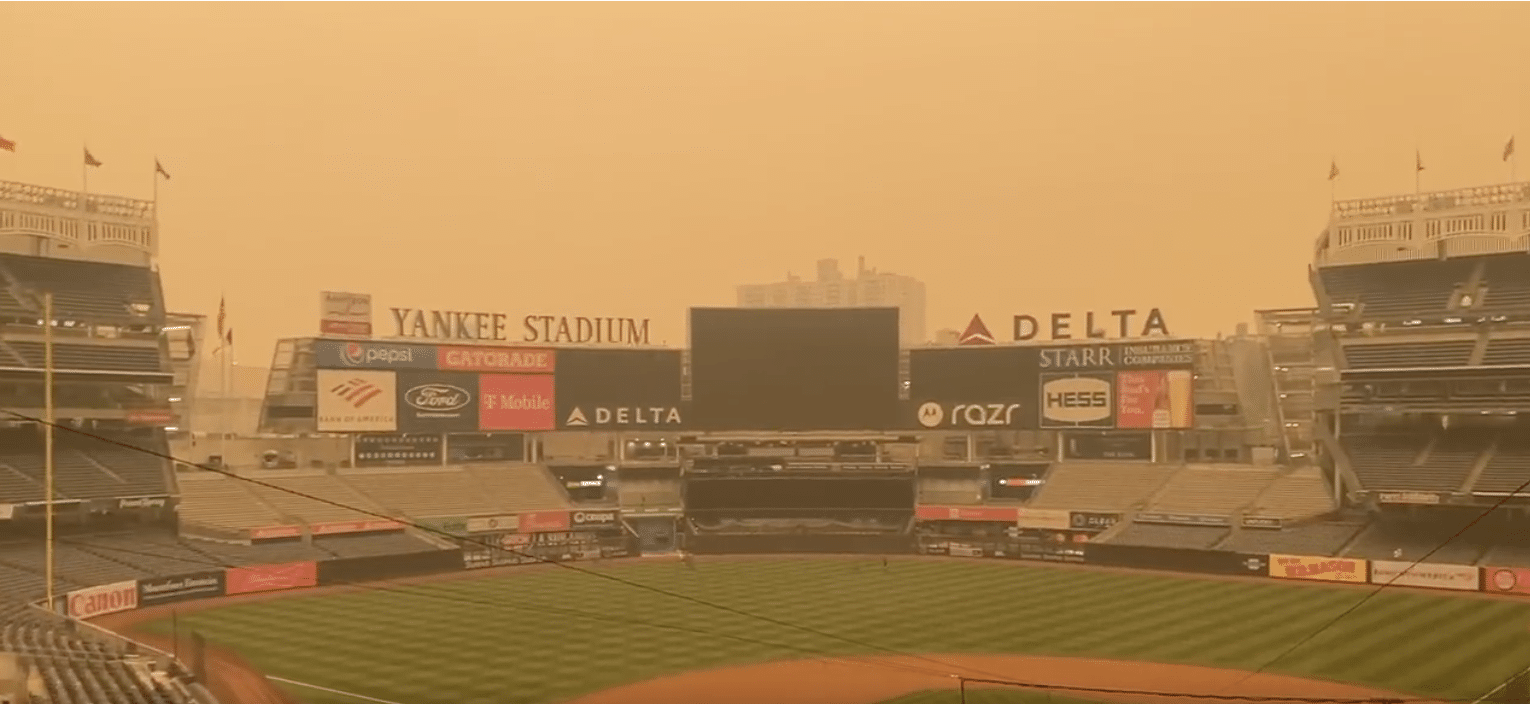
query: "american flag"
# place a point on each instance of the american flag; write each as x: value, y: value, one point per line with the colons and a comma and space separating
x: 91, y: 160
x: 7, y: 145
x: 160, y: 170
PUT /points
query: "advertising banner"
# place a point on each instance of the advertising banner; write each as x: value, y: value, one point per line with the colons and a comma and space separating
x: 1458, y: 577
x: 437, y: 402
x: 543, y: 521
x: 1262, y: 522
x: 270, y: 578
x: 395, y: 449
x: 1408, y: 497
x: 490, y: 524
x: 1176, y: 559
x: 1077, y: 400
x: 274, y: 532
x: 1043, y: 519
x: 102, y: 600
x: 593, y: 519
x: 516, y: 402
x: 1182, y: 519
x: 937, y: 415
x: 346, y: 314
x: 1002, y: 514
x: 1155, y: 399
x: 1166, y: 354
x: 620, y: 389
x: 1506, y: 580
x: 356, y: 401
x: 1092, y: 521
x: 514, y: 360
x: 1319, y: 569
x: 166, y: 590
x: 340, y: 527
x: 341, y: 354
x: 1108, y: 446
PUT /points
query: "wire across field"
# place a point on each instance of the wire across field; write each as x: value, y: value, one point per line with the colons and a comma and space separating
x: 549, y: 635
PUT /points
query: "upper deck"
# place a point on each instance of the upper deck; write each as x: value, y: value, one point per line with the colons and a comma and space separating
x: 78, y: 221
x: 1460, y: 222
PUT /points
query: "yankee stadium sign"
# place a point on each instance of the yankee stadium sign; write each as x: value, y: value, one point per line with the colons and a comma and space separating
x: 495, y: 327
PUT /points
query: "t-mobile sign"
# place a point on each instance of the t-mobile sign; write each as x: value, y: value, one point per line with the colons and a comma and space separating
x: 516, y: 402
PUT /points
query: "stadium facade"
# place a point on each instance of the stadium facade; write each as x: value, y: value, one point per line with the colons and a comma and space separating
x: 1333, y: 442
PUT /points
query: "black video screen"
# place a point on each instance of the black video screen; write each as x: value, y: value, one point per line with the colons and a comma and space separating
x: 794, y: 369
x: 972, y: 374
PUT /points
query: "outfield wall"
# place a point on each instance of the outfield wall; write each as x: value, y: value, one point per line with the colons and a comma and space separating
x: 296, y: 576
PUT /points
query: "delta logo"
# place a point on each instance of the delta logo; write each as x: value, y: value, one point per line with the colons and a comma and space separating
x: 976, y: 333
x: 356, y: 392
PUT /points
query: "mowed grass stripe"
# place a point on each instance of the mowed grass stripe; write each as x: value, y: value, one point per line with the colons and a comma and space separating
x: 458, y: 641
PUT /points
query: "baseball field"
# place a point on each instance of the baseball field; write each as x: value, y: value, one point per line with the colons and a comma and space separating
x: 544, y: 634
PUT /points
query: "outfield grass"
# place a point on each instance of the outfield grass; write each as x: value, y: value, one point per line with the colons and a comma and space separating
x: 511, y: 640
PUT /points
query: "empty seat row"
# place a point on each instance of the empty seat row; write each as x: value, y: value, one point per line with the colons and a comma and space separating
x: 1449, y: 353
x: 1101, y: 486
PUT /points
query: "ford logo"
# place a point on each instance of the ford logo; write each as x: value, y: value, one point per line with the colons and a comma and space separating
x: 437, y: 398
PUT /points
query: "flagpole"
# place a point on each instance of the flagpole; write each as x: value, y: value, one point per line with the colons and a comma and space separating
x: 48, y: 441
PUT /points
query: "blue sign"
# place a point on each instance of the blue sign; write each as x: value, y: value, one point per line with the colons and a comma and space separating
x: 344, y: 354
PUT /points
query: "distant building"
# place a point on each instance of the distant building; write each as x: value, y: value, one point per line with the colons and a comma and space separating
x: 869, y: 288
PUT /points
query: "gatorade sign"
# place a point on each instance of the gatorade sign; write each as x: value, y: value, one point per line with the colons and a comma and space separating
x: 102, y: 600
x: 1077, y: 400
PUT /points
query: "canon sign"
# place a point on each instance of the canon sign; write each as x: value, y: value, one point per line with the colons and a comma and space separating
x: 934, y: 415
x: 105, y: 599
x: 592, y: 518
x: 1071, y: 401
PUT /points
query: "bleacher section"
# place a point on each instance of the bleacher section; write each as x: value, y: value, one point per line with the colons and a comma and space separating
x: 944, y: 491
x: 1509, y: 467
x: 424, y: 494
x: 84, y: 468
x: 1099, y: 486
x: 1211, y: 490
x: 1380, y: 461
x: 1415, y: 539
x: 1507, y: 280
x: 1510, y: 351
x: 212, y: 500
x: 311, y: 511
x: 84, y: 290
x: 68, y: 356
x: 649, y: 493
x: 77, y: 671
x: 1398, y: 355
x: 1310, y: 539
x: 1396, y: 289
x: 1294, y: 495
x: 1169, y: 536
x: 520, y: 487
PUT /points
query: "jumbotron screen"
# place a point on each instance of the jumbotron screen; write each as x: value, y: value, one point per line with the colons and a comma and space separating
x: 794, y: 369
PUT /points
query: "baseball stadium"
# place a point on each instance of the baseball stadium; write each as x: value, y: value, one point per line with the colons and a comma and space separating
x: 1328, y: 505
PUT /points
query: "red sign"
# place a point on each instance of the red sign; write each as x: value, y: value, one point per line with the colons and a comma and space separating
x: 336, y: 527
x: 527, y: 360
x: 270, y: 578
x: 516, y: 402
x: 344, y: 327
x: 1506, y: 580
x: 1137, y: 398
x: 976, y: 333
x: 105, y: 599
x: 1006, y: 514
x: 270, y: 532
x: 544, y: 521
x: 150, y: 416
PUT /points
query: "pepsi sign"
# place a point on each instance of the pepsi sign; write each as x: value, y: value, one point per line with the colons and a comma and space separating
x: 341, y: 354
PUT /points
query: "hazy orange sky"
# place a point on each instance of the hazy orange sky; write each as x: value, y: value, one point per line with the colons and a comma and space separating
x: 635, y: 159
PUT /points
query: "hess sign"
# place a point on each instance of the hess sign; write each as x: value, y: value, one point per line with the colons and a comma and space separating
x: 1062, y: 326
x: 1074, y: 401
